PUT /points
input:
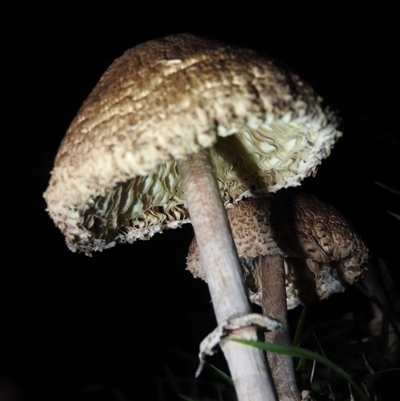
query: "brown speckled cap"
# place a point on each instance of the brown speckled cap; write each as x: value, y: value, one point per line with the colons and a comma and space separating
x: 323, y: 255
x: 115, y: 177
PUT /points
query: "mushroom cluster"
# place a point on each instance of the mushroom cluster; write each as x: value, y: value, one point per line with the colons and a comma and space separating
x: 177, y: 129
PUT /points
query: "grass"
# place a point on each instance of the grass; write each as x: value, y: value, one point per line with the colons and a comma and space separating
x: 302, y: 353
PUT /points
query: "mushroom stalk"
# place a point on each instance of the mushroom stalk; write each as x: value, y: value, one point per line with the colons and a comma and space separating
x: 274, y: 305
x: 222, y: 268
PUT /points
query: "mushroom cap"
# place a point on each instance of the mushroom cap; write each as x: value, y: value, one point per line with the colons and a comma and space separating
x: 115, y: 177
x: 323, y: 255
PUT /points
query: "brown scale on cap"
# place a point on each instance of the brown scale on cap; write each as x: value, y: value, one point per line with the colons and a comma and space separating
x: 323, y: 255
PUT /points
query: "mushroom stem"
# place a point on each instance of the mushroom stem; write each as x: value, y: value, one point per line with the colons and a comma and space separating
x: 274, y: 305
x: 220, y: 262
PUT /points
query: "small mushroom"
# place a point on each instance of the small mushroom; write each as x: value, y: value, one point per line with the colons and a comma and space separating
x: 184, y: 125
x: 294, y: 249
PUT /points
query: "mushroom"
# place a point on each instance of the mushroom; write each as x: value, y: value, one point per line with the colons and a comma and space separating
x: 175, y: 129
x: 294, y: 249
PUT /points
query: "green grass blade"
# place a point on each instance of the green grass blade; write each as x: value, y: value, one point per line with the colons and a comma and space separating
x: 296, y: 338
x: 305, y: 353
x: 386, y: 276
x: 223, y: 375
x: 299, y: 327
x: 396, y: 216
x: 172, y: 379
x: 321, y: 350
x: 388, y: 188
x: 389, y: 285
x: 186, y: 398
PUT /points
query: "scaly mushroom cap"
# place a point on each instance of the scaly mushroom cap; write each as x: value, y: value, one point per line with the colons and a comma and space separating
x: 115, y: 177
x: 323, y: 255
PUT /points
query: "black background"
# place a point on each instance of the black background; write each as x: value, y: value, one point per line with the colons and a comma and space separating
x: 67, y: 320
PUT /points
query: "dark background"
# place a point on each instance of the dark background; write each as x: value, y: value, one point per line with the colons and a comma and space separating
x: 127, y: 315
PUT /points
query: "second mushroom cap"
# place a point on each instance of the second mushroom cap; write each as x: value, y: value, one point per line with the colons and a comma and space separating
x: 323, y: 254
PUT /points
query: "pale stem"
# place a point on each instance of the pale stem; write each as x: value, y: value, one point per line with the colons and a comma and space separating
x: 274, y: 305
x: 218, y: 256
